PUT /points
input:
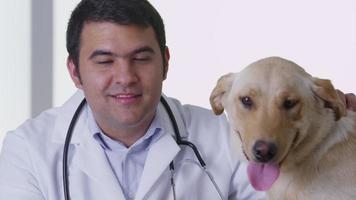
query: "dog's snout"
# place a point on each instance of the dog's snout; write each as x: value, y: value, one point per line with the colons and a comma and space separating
x: 264, y: 151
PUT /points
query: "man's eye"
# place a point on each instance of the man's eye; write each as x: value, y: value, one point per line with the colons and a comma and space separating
x: 103, y: 62
x: 142, y: 58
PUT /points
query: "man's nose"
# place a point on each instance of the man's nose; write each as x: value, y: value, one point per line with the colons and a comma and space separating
x: 125, y: 73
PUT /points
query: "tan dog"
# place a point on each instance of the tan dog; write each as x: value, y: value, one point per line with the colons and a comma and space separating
x: 296, y: 133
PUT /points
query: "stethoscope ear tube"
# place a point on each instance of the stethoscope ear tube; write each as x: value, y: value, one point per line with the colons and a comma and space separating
x: 66, y: 147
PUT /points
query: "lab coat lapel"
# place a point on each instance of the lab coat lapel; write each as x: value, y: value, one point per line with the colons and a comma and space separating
x: 91, y: 159
x: 159, y: 156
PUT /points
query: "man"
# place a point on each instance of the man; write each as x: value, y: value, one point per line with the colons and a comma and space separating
x: 123, y: 142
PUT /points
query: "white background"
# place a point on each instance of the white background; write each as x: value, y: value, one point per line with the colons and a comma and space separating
x: 206, y: 38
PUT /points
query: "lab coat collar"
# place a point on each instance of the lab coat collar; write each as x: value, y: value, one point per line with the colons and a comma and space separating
x: 158, y: 158
x: 87, y: 155
x: 91, y: 159
x: 161, y: 152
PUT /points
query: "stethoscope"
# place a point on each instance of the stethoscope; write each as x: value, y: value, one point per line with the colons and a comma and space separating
x: 178, y: 138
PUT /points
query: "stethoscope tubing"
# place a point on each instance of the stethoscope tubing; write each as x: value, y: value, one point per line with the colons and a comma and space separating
x: 179, y: 139
x: 66, y: 147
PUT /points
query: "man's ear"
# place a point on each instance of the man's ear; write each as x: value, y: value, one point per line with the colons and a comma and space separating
x: 219, y: 93
x: 324, y: 89
x: 166, y: 63
x: 74, y: 72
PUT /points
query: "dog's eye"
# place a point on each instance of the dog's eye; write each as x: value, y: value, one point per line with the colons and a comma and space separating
x: 289, y: 104
x: 246, y: 101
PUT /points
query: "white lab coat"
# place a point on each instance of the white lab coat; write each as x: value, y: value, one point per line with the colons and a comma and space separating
x: 31, y: 160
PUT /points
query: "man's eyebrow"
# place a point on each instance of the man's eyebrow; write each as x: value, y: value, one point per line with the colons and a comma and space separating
x: 142, y: 49
x: 100, y: 53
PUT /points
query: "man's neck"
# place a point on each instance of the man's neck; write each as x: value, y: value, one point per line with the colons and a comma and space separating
x: 128, y: 135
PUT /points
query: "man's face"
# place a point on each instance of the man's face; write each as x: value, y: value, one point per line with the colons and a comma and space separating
x: 121, y: 73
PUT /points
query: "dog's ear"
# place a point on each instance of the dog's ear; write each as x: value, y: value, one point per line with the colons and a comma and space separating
x: 222, y: 87
x: 326, y: 91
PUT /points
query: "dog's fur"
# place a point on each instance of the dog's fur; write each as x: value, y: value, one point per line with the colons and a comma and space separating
x: 316, y: 139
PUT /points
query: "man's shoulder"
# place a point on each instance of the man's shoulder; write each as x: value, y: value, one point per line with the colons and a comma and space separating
x: 44, y: 125
x: 196, y: 117
x: 192, y: 109
x: 197, y: 114
x: 37, y: 125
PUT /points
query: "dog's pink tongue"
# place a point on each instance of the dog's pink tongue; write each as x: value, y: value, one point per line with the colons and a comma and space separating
x: 262, y: 176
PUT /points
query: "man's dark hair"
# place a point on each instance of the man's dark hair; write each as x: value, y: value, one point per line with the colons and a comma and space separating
x: 123, y: 12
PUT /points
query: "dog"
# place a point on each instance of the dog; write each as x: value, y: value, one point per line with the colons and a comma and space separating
x: 298, y: 137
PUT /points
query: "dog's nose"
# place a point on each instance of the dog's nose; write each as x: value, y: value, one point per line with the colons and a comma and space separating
x: 264, y: 151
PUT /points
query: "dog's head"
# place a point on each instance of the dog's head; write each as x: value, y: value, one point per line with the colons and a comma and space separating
x: 278, y: 110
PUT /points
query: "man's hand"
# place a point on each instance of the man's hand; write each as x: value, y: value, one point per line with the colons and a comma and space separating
x: 349, y: 100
